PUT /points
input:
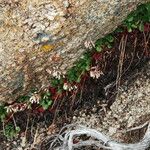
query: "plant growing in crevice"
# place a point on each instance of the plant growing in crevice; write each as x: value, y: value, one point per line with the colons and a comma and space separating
x: 106, y: 41
x: 11, y: 131
x: 138, y: 18
x: 23, y: 98
x: 75, y: 73
x: 46, y: 100
x: 3, y: 113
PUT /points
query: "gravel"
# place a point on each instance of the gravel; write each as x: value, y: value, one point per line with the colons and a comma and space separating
x: 131, y: 107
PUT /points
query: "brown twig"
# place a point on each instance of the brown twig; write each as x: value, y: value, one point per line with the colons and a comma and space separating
x: 122, y: 47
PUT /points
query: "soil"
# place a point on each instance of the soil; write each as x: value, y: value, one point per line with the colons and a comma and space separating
x: 130, y: 109
x: 120, y: 65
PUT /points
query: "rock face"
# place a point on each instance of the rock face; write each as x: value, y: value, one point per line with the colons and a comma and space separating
x: 39, y: 36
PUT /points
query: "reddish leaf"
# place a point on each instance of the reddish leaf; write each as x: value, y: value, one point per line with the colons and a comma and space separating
x: 147, y: 27
x: 40, y: 110
x: 97, y: 56
x: 52, y: 90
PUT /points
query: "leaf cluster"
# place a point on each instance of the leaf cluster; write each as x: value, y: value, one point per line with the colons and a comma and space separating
x: 76, y: 72
x: 46, y: 100
x: 11, y: 131
x: 106, y: 41
x: 137, y: 18
x: 3, y: 113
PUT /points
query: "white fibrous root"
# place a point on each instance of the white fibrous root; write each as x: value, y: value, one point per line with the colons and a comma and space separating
x: 71, y: 137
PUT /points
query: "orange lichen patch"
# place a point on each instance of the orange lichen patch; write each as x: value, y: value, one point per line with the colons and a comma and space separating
x: 47, y: 47
x: 50, y: 47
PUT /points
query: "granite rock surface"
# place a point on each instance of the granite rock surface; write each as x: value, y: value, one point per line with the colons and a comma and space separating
x: 39, y: 36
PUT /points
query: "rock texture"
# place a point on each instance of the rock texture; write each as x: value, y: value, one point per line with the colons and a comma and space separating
x: 39, y: 36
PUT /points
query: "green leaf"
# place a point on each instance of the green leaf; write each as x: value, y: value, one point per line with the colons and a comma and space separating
x: 78, y: 80
x: 59, y: 91
x: 99, y: 42
x: 71, y: 74
x: 23, y: 98
x: 148, y: 11
x: 18, y: 129
x: 87, y: 68
x: 2, y: 112
x: 46, y: 103
x: 148, y: 7
x: 109, y: 45
x: 98, y: 48
x: 55, y: 82
x: 2, y: 117
x: 129, y: 29
x: 141, y: 27
x: 110, y: 38
x: 118, y: 30
x: 48, y: 94
x: 134, y: 26
x: 11, y: 131
x: 130, y: 18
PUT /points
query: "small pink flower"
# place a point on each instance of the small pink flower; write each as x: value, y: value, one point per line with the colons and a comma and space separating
x: 35, y: 98
x: 65, y: 86
x: 95, y: 72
